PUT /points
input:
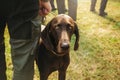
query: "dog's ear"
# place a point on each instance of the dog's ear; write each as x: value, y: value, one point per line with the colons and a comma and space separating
x: 76, y: 32
x: 45, y: 35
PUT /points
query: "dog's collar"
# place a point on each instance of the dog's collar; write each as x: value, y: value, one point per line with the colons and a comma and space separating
x: 53, y: 52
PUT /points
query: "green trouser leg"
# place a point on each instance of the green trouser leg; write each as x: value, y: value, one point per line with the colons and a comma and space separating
x: 2, y: 50
x: 2, y: 62
x: 23, y: 54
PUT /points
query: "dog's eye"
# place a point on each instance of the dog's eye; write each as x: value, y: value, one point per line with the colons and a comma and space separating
x: 70, y: 27
x: 57, y: 27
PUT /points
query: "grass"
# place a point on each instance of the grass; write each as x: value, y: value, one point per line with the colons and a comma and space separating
x: 98, y: 57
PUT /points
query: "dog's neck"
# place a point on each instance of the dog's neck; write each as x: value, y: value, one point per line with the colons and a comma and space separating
x: 53, y: 52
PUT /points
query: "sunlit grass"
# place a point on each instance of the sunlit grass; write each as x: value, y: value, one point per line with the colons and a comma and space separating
x: 98, y: 57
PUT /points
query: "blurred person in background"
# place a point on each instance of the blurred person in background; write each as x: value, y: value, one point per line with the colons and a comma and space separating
x: 52, y: 5
x: 72, y: 7
x: 61, y: 6
x: 102, y: 7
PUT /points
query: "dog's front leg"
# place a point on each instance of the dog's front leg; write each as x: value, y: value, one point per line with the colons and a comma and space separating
x: 62, y: 74
x: 44, y: 76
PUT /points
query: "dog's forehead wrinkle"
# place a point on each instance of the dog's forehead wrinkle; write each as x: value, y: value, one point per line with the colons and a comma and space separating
x: 63, y: 15
x: 63, y: 20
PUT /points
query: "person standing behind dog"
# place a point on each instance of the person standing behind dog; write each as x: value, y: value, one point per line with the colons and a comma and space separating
x: 72, y: 8
x: 102, y: 7
x: 52, y: 5
x: 22, y: 18
x: 61, y: 6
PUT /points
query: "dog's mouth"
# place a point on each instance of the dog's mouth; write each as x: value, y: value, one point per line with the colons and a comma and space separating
x: 63, y: 49
x: 61, y: 53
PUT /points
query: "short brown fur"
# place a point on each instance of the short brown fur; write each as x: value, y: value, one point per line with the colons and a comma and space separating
x: 53, y: 51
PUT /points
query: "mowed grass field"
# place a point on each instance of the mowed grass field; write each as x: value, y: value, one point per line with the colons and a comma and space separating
x: 98, y: 56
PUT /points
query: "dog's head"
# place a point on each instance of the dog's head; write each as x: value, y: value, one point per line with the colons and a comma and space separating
x: 57, y: 34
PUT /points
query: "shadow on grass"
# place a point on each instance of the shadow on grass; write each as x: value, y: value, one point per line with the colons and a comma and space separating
x: 110, y: 19
x: 117, y: 23
x: 106, y: 17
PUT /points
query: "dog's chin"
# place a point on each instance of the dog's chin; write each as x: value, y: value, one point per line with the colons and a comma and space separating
x: 62, y: 53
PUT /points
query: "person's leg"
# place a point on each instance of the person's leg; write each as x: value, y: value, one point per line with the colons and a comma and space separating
x: 2, y: 50
x: 92, y: 6
x: 23, y: 45
x: 52, y: 4
x: 22, y: 59
x: 72, y: 8
x: 102, y: 7
x: 61, y: 6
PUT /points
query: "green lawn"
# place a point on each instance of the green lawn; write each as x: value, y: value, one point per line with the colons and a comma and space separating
x: 98, y: 57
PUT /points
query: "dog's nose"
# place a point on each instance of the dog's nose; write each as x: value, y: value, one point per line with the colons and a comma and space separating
x: 65, y: 46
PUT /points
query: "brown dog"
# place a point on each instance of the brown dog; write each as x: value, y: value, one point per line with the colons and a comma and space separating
x: 55, y: 46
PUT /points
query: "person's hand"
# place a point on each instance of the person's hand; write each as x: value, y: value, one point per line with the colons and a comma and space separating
x: 44, y: 8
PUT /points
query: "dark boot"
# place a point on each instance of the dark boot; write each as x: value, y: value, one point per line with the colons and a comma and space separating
x: 103, y: 14
x: 102, y: 8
